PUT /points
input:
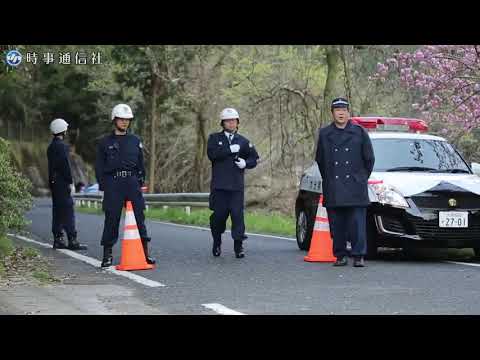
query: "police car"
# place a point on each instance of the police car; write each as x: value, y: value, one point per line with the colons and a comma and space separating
x: 422, y: 191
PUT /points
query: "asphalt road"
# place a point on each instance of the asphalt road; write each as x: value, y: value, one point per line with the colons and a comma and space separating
x: 274, y: 279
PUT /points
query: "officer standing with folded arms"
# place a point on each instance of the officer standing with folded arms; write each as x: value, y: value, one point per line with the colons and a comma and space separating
x: 345, y: 159
x: 230, y: 154
x: 120, y: 173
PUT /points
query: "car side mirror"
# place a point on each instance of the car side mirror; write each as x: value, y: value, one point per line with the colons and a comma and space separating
x: 476, y: 168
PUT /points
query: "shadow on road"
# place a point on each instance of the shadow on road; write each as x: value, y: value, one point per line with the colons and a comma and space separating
x: 427, y: 255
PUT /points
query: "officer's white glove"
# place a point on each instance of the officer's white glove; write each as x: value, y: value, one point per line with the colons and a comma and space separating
x: 235, y: 148
x: 72, y: 189
x: 240, y: 163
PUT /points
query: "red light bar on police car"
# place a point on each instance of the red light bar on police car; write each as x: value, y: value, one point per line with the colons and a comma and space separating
x: 391, y: 124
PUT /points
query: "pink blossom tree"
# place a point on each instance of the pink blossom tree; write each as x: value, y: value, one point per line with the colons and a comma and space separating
x: 447, y: 78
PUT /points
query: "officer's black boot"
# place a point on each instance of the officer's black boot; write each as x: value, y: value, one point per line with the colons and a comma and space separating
x: 59, y: 242
x: 73, y: 243
x: 341, y: 261
x: 217, y: 247
x: 149, y: 259
x: 107, y: 256
x: 359, y: 262
x: 237, y: 246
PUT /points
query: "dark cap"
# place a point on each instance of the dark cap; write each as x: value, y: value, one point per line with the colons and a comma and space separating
x: 340, y: 103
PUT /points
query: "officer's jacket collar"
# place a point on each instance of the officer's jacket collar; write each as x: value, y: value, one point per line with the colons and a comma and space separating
x: 349, y: 133
x: 112, y: 134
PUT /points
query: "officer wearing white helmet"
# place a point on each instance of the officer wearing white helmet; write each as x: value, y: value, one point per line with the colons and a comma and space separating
x: 230, y: 154
x: 120, y: 173
x: 61, y: 183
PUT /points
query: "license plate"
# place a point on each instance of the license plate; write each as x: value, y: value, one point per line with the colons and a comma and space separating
x: 453, y: 219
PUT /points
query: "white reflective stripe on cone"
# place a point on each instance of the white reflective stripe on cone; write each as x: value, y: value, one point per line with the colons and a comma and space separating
x: 321, y: 226
x: 131, y: 234
x: 130, y: 218
x: 322, y: 211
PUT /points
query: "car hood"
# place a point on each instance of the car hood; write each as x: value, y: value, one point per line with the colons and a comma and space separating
x: 411, y: 183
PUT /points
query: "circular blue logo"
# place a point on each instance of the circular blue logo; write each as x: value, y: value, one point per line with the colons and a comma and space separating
x: 14, y: 58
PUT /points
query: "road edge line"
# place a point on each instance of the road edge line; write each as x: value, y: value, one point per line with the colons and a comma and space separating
x: 94, y: 262
x: 222, y: 310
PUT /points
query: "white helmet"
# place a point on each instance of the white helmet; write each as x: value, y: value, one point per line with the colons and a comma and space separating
x: 122, y: 111
x: 58, y: 126
x: 229, y: 113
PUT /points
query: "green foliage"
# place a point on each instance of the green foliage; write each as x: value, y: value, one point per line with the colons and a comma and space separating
x: 6, y: 246
x: 278, y: 89
x: 15, y: 198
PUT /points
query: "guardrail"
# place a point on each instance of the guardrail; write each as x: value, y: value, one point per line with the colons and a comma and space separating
x: 186, y: 200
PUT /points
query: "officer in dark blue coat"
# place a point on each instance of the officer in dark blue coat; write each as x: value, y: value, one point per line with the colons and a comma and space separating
x: 61, y: 184
x: 345, y: 159
x: 120, y: 173
x: 230, y: 154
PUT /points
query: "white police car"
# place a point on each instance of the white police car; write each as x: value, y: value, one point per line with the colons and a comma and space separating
x: 422, y: 192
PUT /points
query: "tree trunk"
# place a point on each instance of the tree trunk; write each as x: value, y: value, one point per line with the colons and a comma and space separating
x: 346, y: 71
x: 201, y: 148
x: 333, y: 72
x: 153, y: 125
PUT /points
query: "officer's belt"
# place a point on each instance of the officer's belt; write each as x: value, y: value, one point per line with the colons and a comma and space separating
x: 123, y: 174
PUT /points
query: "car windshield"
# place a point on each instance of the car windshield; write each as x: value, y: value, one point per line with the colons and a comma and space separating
x: 417, y: 155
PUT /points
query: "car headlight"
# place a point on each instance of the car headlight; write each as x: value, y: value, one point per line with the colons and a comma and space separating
x: 388, y: 195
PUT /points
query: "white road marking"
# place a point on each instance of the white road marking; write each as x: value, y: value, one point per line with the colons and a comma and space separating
x: 228, y: 231
x: 94, y: 262
x: 222, y: 310
x: 463, y: 263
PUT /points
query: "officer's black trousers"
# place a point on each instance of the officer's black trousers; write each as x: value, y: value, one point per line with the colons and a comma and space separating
x: 225, y: 203
x: 63, y: 214
x: 348, y: 224
x: 116, y: 192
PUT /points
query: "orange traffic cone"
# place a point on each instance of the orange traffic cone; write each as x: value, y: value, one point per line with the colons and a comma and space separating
x: 321, y: 247
x: 133, y: 256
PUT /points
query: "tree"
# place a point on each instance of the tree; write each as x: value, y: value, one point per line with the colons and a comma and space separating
x: 448, y: 79
x: 15, y: 198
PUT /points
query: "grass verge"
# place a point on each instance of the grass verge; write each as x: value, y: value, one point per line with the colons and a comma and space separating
x: 255, y: 221
x: 22, y: 264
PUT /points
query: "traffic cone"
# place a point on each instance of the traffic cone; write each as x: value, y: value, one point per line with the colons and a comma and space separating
x: 321, y: 246
x: 133, y: 256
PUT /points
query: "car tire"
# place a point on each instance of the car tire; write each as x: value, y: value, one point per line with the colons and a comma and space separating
x: 372, y: 243
x: 304, y: 229
x: 476, y: 251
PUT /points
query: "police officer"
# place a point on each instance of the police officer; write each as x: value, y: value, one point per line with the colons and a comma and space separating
x: 120, y: 173
x: 61, y: 185
x: 345, y: 159
x: 230, y: 154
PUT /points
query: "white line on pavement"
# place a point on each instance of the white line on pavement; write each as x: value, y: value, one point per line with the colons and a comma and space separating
x: 208, y: 229
x: 94, y: 262
x: 462, y: 263
x: 222, y: 310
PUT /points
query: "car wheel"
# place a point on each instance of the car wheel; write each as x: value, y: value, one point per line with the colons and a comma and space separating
x: 304, y: 229
x: 476, y: 251
x: 372, y: 244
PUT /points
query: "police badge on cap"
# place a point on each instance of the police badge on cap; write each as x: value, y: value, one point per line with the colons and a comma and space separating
x: 340, y: 103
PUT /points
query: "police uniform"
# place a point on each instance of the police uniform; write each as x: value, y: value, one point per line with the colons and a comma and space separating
x: 120, y: 174
x: 60, y: 181
x: 345, y: 159
x: 227, y: 184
